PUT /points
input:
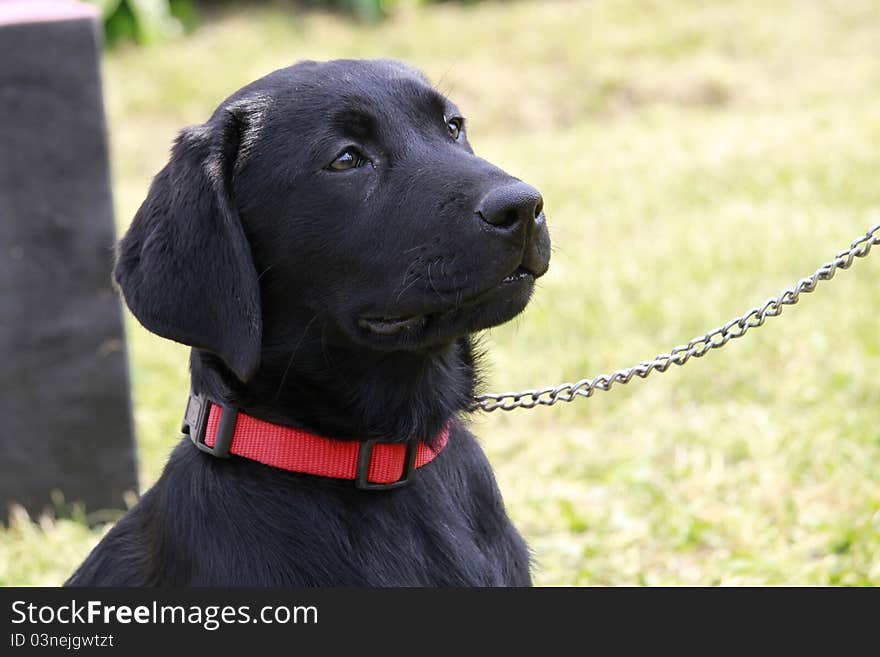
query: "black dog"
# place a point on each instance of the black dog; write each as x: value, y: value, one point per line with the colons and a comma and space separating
x: 327, y: 243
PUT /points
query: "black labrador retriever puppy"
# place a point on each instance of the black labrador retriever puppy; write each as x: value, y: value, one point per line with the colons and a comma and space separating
x: 328, y: 243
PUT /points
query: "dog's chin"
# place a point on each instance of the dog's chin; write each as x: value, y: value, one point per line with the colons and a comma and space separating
x: 445, y: 324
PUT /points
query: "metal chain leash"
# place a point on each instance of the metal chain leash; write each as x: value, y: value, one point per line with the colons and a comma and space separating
x: 697, y: 348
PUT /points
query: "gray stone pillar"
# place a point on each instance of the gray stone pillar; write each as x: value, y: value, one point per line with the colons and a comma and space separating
x: 65, y: 414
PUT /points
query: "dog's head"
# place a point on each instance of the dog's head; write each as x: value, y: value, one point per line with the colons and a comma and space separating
x: 345, y: 189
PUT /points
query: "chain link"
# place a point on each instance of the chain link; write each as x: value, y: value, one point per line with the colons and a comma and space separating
x: 697, y: 348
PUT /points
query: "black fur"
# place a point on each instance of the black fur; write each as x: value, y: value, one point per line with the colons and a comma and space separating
x: 340, y: 301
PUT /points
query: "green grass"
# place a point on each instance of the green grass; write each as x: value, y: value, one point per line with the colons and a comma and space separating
x: 695, y: 159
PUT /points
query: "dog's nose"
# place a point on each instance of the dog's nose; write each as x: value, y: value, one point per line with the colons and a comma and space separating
x: 509, y: 206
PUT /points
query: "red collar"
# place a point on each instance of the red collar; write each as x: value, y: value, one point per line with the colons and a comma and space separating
x: 372, y: 465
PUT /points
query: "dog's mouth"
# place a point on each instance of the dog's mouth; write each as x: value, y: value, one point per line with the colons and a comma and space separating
x: 392, y: 325
x: 411, y: 324
x: 519, y: 274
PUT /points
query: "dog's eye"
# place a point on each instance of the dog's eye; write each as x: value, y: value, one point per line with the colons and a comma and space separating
x: 350, y: 158
x: 455, y: 125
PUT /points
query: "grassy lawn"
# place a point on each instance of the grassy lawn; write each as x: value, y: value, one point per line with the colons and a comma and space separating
x: 695, y: 158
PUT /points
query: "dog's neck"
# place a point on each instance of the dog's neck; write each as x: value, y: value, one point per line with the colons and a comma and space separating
x: 322, y: 383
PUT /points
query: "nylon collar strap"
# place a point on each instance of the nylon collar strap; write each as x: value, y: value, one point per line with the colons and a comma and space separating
x: 372, y: 465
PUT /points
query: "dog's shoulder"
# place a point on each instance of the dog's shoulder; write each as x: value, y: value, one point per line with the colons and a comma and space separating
x: 447, y: 527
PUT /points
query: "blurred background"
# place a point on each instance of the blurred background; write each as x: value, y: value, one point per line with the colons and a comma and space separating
x: 695, y: 158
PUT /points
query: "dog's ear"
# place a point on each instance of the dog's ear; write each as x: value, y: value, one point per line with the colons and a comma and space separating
x: 185, y: 266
